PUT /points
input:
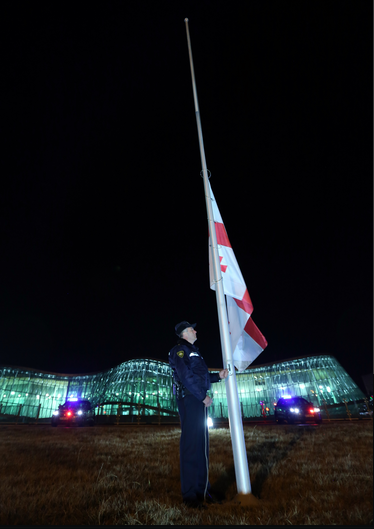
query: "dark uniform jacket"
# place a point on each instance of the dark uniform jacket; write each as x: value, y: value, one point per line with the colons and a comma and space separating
x: 190, y: 370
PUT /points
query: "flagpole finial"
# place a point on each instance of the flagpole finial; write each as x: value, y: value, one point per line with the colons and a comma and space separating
x: 186, y: 19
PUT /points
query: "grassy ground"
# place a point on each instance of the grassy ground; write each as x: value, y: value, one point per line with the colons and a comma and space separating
x: 126, y: 475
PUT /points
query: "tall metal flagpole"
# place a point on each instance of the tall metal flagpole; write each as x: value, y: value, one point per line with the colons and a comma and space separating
x: 236, y: 427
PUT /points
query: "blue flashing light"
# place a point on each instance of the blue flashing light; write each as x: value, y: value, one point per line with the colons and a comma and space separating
x: 287, y: 397
x: 72, y: 399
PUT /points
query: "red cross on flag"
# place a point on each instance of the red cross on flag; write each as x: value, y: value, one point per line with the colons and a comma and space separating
x: 247, y: 341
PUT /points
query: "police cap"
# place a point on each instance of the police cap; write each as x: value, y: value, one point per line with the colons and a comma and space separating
x: 179, y: 328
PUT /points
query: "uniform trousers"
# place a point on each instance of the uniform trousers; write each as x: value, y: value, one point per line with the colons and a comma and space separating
x: 194, y: 448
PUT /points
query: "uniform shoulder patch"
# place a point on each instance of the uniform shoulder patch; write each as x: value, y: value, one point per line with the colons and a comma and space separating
x: 180, y: 354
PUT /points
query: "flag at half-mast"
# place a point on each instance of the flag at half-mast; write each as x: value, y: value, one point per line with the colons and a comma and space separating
x: 247, y: 341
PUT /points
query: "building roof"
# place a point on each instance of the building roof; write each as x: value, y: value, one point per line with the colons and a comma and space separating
x: 71, y: 375
x: 275, y: 362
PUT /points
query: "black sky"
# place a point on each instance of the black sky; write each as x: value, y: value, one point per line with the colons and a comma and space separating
x: 103, y: 223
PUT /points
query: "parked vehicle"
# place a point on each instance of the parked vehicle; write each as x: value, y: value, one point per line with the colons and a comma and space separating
x: 364, y: 411
x: 296, y: 409
x: 74, y: 411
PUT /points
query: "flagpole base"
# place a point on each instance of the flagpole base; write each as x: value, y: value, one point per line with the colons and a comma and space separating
x: 245, y: 500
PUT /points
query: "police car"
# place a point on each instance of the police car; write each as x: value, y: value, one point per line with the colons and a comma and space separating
x: 74, y: 411
x: 366, y: 409
x: 296, y: 409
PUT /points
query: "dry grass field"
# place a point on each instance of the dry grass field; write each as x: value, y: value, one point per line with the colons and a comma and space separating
x: 129, y: 475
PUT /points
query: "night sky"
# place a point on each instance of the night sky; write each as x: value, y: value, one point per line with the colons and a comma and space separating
x: 104, y: 235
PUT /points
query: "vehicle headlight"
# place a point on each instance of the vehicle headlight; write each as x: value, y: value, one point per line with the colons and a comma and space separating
x: 55, y: 413
x: 80, y: 412
x: 294, y: 410
x: 317, y: 409
x: 210, y: 422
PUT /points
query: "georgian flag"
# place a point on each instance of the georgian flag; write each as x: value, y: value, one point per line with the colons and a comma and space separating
x: 247, y: 342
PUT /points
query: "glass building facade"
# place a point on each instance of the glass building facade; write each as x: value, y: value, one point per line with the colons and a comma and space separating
x: 145, y: 386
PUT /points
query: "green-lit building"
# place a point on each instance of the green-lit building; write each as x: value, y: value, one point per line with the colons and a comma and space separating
x: 144, y: 387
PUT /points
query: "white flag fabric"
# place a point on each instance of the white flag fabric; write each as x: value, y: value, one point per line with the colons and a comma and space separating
x: 247, y: 342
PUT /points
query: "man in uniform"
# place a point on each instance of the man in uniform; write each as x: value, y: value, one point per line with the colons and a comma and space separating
x: 192, y: 380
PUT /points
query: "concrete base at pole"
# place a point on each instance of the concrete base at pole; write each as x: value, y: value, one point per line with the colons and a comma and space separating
x: 245, y: 500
